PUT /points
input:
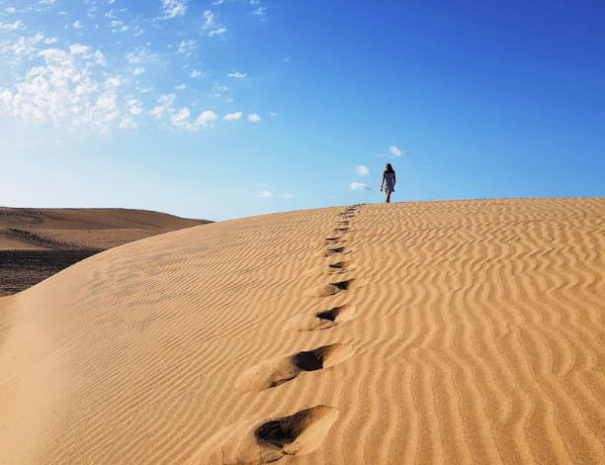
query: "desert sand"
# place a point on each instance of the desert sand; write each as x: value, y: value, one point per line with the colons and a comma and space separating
x: 459, y: 332
x: 37, y: 243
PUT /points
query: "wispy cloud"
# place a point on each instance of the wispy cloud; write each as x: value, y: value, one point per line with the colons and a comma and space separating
x: 265, y: 194
x: 233, y: 116
x: 237, y: 75
x: 206, y: 118
x: 181, y: 118
x: 173, y: 8
x: 70, y: 88
x: 164, y: 103
x: 396, y: 151
x: 258, y: 8
x: 16, y: 26
x: 358, y: 186
x: 362, y: 170
x: 78, y: 77
x: 211, y: 25
x: 186, y: 47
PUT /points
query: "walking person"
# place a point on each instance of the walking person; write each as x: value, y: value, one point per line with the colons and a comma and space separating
x: 388, y: 181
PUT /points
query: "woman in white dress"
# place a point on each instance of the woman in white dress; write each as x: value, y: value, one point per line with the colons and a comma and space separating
x: 388, y: 181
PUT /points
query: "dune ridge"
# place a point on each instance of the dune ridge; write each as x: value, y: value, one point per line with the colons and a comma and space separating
x: 37, y: 243
x: 457, y: 332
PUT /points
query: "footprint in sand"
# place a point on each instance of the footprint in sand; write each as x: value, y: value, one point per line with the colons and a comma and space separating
x: 331, y: 289
x: 295, y: 434
x: 273, y: 373
x: 322, y: 320
x: 334, y: 250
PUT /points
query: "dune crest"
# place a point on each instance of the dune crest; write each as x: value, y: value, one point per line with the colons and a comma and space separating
x: 37, y: 243
x: 461, y: 332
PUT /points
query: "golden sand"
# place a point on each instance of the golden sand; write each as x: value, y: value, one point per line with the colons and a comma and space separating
x: 92, y: 228
x: 463, y: 332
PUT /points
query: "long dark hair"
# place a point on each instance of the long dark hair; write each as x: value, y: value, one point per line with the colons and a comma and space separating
x: 389, y: 168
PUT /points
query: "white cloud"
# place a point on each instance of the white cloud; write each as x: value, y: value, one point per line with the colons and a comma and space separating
x: 138, y: 71
x: 186, y: 47
x: 23, y: 46
x: 77, y: 49
x: 10, y: 10
x: 211, y: 24
x: 140, y: 56
x: 66, y: 88
x: 206, y: 118
x: 134, y: 106
x: 118, y: 26
x: 265, y: 194
x: 254, y: 117
x: 362, y: 170
x: 180, y: 87
x: 113, y: 81
x: 180, y: 118
x: 16, y: 26
x: 107, y: 102
x: 77, y: 25
x: 164, y: 104
x: 286, y: 196
x: 233, y: 116
x: 173, y: 8
x: 127, y: 123
x: 196, y: 73
x: 259, y: 8
x: 358, y: 186
x: 237, y: 75
x: 395, y: 151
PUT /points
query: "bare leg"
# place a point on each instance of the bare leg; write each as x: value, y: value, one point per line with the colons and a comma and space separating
x: 388, y: 196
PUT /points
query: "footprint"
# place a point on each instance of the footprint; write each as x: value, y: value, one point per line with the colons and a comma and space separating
x: 332, y: 240
x: 330, y: 315
x: 338, y: 268
x: 323, y: 320
x: 342, y: 229
x: 273, y: 373
x: 296, y: 434
x: 337, y: 265
x: 334, y: 250
x: 331, y: 289
x: 250, y: 442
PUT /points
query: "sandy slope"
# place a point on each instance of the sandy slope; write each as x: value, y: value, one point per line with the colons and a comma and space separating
x: 93, y: 228
x: 37, y: 243
x: 466, y: 332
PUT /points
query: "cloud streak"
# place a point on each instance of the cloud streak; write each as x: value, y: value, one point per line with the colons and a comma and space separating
x: 396, y: 151
x: 362, y: 170
x: 173, y: 8
x: 358, y: 186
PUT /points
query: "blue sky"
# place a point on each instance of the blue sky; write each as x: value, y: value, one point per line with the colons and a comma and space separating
x: 228, y: 108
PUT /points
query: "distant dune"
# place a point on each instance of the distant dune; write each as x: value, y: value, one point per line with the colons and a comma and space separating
x: 460, y: 332
x: 37, y: 243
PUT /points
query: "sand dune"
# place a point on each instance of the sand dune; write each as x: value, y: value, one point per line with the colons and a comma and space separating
x: 37, y: 243
x: 91, y: 228
x: 466, y: 332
